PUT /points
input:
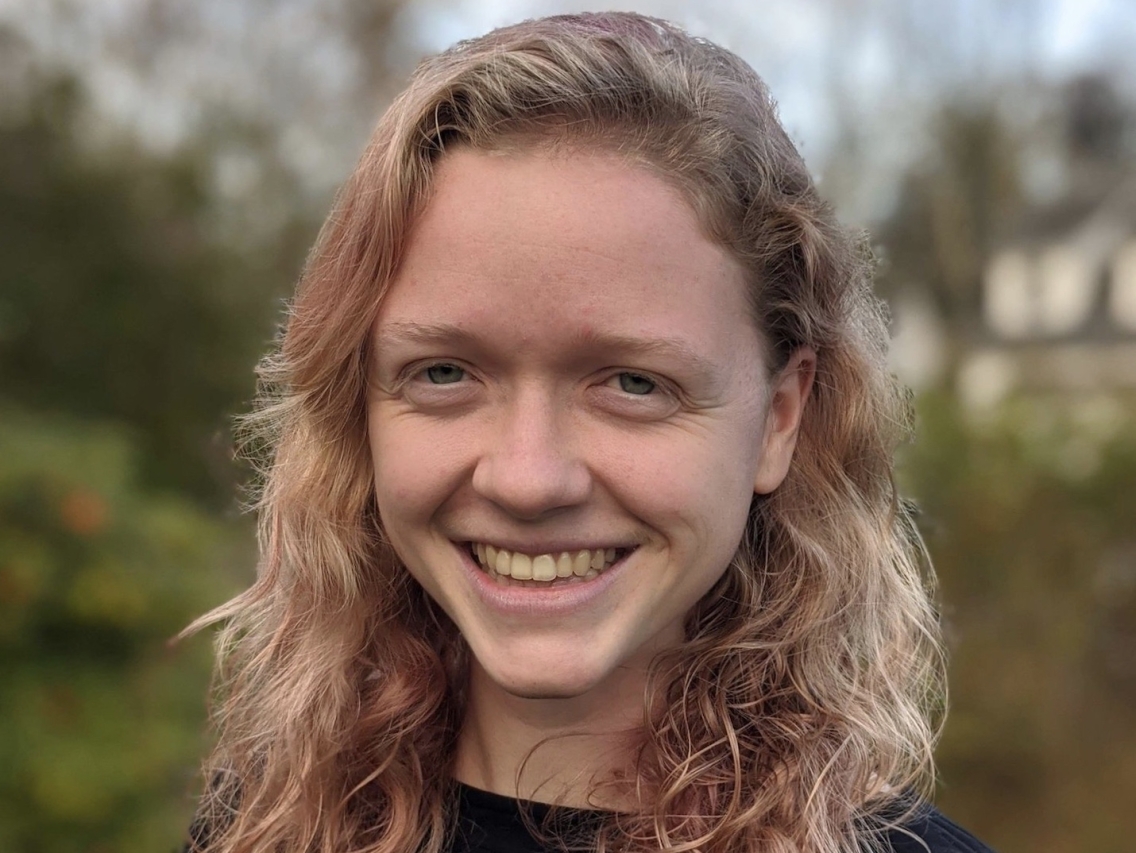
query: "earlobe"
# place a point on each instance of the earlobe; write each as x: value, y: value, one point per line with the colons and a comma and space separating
x: 789, y: 395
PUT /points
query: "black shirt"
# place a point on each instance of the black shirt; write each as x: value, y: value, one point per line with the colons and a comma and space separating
x: 491, y: 823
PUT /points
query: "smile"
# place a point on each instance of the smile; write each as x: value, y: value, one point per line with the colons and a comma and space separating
x: 543, y: 569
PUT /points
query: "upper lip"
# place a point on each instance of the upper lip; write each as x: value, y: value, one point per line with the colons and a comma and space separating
x: 550, y: 547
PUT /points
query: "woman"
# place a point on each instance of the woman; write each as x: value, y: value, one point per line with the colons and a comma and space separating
x: 578, y: 522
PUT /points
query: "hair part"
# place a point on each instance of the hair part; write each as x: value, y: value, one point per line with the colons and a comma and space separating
x: 804, y: 700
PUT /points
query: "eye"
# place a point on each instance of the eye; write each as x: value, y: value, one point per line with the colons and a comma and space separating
x: 438, y: 386
x: 636, y: 383
x: 444, y: 374
x: 635, y: 396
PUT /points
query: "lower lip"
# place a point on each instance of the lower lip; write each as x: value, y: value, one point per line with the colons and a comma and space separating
x: 556, y: 599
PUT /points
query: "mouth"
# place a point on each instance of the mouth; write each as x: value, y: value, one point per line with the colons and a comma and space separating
x: 543, y: 571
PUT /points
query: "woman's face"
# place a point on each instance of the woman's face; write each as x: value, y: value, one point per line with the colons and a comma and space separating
x: 569, y: 414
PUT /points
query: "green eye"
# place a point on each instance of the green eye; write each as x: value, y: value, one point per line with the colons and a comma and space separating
x: 633, y: 383
x: 444, y: 374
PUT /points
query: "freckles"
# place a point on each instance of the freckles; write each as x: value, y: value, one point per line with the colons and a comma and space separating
x: 398, y: 497
x: 666, y: 481
x: 416, y: 468
x: 401, y: 478
x: 405, y: 475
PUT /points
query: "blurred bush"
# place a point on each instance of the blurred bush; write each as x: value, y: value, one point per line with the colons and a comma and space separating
x: 116, y: 301
x: 1030, y: 516
x: 128, y: 333
x: 103, y: 724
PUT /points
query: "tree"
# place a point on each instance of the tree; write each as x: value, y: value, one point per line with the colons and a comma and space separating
x: 115, y: 301
x: 102, y: 723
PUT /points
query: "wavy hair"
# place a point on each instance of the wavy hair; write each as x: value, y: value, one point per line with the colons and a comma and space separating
x: 803, y: 704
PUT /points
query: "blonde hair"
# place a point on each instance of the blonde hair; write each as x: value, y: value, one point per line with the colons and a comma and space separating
x: 803, y: 701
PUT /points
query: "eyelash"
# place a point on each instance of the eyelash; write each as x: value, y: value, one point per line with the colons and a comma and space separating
x: 414, y: 381
x: 663, y: 400
x: 419, y: 374
x: 635, y: 376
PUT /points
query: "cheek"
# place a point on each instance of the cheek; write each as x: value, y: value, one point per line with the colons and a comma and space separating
x: 695, y: 489
x: 413, y: 467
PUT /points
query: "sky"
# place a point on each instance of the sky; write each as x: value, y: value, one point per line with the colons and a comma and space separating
x: 828, y: 62
x: 876, y: 66
x: 792, y: 42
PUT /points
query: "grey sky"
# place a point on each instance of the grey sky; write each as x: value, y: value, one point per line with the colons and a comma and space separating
x: 831, y: 64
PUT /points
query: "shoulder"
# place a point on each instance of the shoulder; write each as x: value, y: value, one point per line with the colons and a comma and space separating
x: 928, y: 830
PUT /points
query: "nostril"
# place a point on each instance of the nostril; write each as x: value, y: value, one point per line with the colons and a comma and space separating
x: 529, y: 481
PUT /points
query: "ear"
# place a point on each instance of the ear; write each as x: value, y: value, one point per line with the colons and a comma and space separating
x: 789, y: 393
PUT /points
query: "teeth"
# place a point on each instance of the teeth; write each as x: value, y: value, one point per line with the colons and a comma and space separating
x: 581, y: 563
x: 543, y: 568
x: 564, y: 565
x: 503, y: 564
x: 521, y: 566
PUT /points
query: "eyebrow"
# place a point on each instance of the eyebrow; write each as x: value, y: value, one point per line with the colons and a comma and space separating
x: 674, y: 349
x: 431, y: 333
x: 402, y: 331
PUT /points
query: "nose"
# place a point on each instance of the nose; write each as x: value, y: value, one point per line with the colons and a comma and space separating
x: 530, y: 466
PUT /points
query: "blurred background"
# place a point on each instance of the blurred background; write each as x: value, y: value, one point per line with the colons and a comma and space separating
x: 164, y: 167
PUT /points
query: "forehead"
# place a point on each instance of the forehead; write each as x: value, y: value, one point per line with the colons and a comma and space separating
x: 585, y: 239
x: 571, y: 190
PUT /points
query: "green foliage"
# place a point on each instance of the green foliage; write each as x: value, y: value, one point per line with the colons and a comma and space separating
x: 115, y: 303
x: 127, y: 340
x: 104, y: 720
x: 1029, y: 514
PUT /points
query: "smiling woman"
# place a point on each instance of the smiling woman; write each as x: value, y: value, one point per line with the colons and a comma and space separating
x: 579, y: 526
x: 560, y: 418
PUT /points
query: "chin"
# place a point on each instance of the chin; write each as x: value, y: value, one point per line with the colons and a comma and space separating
x: 541, y: 681
x: 543, y: 691
x: 546, y: 685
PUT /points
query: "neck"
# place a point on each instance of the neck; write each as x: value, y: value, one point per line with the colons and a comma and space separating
x: 573, y: 751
